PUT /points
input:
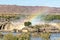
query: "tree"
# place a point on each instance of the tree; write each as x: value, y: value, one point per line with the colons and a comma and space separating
x: 27, y: 23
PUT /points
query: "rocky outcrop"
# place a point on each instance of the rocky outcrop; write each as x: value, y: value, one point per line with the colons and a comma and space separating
x: 27, y: 9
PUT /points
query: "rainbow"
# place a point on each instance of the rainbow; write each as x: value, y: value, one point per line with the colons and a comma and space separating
x: 33, y: 16
x: 30, y: 18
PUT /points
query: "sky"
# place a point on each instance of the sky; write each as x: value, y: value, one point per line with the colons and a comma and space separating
x: 51, y: 3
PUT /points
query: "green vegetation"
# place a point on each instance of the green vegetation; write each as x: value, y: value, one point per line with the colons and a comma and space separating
x: 27, y: 23
x: 11, y: 17
x: 22, y: 36
x: 10, y: 37
x: 51, y: 17
x: 1, y: 35
x: 45, y: 36
x: 26, y: 36
x: 38, y: 27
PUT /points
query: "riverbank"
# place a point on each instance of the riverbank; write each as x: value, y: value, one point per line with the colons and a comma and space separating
x: 28, y: 36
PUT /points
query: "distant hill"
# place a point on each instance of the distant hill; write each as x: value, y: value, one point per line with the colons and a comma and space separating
x: 28, y: 9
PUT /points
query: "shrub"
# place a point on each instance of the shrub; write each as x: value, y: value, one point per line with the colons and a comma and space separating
x: 45, y: 36
x: 10, y: 37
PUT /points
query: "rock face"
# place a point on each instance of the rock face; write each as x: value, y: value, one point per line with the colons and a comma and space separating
x: 25, y: 10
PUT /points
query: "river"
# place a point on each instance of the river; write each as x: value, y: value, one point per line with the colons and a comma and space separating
x: 54, y: 36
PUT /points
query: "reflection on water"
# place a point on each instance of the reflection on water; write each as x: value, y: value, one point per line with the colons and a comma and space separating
x: 9, y: 32
x: 36, y: 38
x: 54, y: 36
